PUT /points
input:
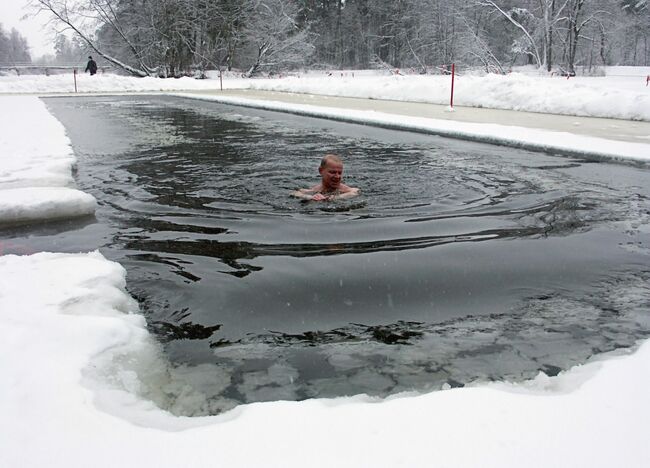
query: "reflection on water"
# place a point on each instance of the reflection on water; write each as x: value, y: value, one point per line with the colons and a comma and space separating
x: 460, y: 262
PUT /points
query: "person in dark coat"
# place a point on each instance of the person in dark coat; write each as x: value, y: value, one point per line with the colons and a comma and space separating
x: 92, y: 66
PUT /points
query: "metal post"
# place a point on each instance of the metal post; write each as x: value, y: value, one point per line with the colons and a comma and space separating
x: 221, y: 79
x: 453, y: 74
x: 74, y: 72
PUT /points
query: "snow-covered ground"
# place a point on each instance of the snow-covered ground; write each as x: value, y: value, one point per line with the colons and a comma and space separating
x: 74, y: 350
x: 622, y: 95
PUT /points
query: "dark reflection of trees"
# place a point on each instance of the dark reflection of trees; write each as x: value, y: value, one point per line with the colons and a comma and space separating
x: 42, y: 228
x: 174, y: 262
x: 558, y: 217
x: 400, y: 332
x: 156, y: 225
x: 213, y: 153
x: 231, y: 253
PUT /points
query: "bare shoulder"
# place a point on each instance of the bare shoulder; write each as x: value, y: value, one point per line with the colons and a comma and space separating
x: 348, y: 189
x: 347, y: 192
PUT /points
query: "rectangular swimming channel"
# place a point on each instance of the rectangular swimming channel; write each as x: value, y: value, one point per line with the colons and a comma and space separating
x: 459, y: 262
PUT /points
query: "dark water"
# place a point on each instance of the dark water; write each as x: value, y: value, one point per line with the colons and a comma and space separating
x: 460, y: 262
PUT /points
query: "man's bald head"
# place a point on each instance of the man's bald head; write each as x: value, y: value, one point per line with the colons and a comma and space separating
x: 331, y: 157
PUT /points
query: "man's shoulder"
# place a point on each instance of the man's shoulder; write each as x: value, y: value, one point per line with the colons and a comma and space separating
x: 348, y: 189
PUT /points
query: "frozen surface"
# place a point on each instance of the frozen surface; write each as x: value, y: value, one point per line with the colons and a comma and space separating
x: 36, y: 181
x: 81, y: 373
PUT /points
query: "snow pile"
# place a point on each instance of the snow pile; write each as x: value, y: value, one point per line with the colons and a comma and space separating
x: 577, y: 96
x: 71, y: 350
x: 622, y: 96
x: 103, y: 82
x: 23, y: 205
x: 36, y: 169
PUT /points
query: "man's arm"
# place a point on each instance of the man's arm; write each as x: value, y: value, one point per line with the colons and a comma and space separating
x: 304, y: 194
x: 315, y: 195
x: 353, y: 192
x: 309, y: 193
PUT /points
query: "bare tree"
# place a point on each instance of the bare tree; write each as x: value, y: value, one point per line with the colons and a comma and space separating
x: 477, y: 47
x: 180, y: 37
x: 83, y: 18
x: 635, y: 32
x: 274, y: 34
x: 517, y: 17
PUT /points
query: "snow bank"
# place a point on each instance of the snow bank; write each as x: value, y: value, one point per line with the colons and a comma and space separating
x: 72, y: 350
x: 556, y: 95
x: 108, y: 82
x: 36, y: 165
x: 622, y: 95
x: 24, y: 205
x: 33, y: 146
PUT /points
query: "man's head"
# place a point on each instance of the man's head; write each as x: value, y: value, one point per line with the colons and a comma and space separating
x: 331, y: 172
x: 90, y: 57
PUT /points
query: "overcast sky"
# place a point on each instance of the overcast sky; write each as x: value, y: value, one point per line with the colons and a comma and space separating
x: 39, y: 36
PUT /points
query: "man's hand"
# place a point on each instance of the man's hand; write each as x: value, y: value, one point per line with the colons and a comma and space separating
x: 319, y: 197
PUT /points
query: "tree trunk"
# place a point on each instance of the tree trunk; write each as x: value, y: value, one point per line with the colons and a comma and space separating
x: 602, y: 46
x: 549, y: 17
x: 573, y: 36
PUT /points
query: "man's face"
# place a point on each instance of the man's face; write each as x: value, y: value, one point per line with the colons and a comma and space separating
x: 331, y: 174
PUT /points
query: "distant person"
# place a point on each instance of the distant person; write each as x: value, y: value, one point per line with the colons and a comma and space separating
x: 91, y: 67
x: 331, y: 186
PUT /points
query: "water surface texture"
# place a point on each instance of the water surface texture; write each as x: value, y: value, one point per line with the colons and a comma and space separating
x: 461, y: 262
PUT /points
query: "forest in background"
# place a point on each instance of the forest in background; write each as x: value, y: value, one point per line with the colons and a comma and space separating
x: 187, y: 37
x: 13, y: 47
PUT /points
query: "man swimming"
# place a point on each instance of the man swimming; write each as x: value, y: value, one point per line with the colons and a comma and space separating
x: 331, y: 186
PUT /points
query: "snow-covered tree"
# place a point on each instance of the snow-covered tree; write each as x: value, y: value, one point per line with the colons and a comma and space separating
x: 178, y: 37
x: 85, y: 17
x: 274, y: 37
x: 13, y: 48
x: 635, y: 32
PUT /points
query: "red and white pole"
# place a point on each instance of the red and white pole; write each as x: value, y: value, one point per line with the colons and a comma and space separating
x: 221, y: 79
x: 75, y: 79
x: 453, y: 75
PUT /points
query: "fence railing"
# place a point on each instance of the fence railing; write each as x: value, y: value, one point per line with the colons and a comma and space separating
x: 35, y: 69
